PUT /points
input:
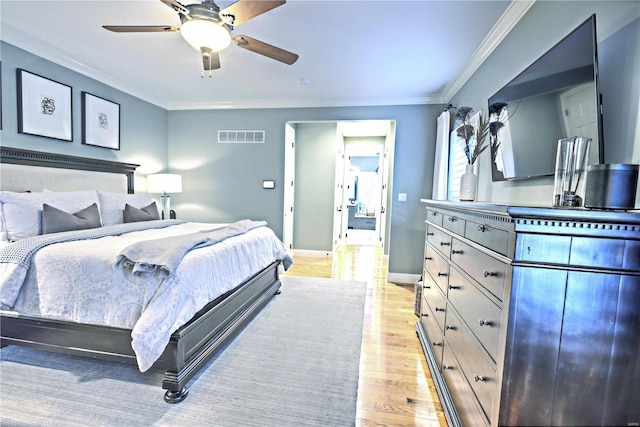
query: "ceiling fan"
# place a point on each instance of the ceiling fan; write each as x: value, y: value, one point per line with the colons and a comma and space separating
x: 208, y: 29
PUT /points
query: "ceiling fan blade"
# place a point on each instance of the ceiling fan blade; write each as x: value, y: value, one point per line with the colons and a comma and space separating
x: 265, y: 49
x: 210, y: 59
x: 140, y: 28
x: 177, y: 6
x: 243, y: 10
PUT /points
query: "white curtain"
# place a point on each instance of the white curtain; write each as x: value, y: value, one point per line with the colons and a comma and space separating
x: 441, y: 163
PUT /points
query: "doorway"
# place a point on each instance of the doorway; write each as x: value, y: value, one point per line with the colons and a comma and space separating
x: 359, y: 137
x: 363, y: 190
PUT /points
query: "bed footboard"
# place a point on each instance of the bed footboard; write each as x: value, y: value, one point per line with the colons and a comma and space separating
x: 193, y: 344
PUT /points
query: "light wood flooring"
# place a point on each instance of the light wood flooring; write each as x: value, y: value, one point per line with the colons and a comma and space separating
x: 393, y: 389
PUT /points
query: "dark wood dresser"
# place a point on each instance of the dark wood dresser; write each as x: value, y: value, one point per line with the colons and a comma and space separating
x: 531, y: 316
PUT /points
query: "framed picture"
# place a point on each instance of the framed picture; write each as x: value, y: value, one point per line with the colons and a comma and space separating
x: 44, y: 107
x: 100, y: 122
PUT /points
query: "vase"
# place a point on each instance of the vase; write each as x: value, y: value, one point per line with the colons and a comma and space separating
x: 468, y: 185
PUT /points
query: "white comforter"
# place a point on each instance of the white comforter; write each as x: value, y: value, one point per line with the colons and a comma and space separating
x: 76, y: 281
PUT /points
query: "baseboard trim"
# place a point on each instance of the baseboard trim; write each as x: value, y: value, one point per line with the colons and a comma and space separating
x: 402, y: 278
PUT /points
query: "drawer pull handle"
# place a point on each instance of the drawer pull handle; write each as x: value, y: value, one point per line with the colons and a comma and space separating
x: 454, y: 287
x: 455, y: 252
x: 483, y: 322
x: 437, y: 344
x: 479, y: 378
x: 426, y: 287
x: 450, y: 328
x: 430, y: 234
x: 428, y: 258
x: 442, y: 274
x: 447, y: 367
x: 452, y: 218
x: 486, y: 273
x: 482, y: 228
x: 434, y: 213
x: 424, y: 315
x: 439, y: 309
x: 445, y: 244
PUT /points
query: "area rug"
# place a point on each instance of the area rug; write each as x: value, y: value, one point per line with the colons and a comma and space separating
x: 296, y: 363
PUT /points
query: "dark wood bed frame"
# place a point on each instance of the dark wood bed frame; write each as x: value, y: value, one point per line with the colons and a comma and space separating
x: 189, y: 348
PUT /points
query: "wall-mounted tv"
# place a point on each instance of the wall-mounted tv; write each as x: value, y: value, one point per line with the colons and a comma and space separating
x: 555, y: 97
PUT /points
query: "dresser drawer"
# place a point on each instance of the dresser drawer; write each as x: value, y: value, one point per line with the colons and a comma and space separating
x: 431, y: 328
x: 543, y: 248
x: 605, y: 253
x: 467, y: 406
x: 435, y: 300
x: 480, y: 314
x: 493, y: 238
x: 454, y: 224
x: 488, y: 271
x: 437, y: 267
x: 434, y: 217
x: 479, y: 372
x: 439, y: 240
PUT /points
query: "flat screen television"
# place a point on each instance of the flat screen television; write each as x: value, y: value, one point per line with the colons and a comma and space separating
x: 555, y: 97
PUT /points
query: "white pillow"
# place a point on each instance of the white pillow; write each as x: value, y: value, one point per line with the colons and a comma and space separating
x: 23, y: 211
x: 112, y: 205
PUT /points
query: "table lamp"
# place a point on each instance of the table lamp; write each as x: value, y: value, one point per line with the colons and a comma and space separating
x: 164, y: 183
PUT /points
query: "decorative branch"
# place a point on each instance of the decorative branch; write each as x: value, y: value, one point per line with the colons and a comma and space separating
x: 466, y: 131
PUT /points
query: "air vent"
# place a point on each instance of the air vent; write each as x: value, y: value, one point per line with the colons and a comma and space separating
x: 240, y: 136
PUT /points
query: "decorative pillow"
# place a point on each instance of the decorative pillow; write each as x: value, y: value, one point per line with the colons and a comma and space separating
x: 133, y: 214
x: 112, y: 205
x: 23, y: 211
x: 55, y: 220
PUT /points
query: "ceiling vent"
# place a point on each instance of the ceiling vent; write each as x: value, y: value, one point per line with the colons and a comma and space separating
x: 240, y: 136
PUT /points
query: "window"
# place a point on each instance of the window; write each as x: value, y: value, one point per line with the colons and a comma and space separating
x: 457, y: 165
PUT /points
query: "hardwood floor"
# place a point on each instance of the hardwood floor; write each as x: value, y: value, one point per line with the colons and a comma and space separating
x: 393, y: 389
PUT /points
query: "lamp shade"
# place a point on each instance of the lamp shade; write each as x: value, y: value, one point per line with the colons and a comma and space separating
x: 201, y: 33
x: 164, y: 183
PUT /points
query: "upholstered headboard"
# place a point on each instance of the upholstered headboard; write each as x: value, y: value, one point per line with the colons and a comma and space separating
x: 25, y: 170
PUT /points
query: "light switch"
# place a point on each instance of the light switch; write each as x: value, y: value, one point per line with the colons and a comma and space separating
x: 269, y: 184
x: 402, y: 197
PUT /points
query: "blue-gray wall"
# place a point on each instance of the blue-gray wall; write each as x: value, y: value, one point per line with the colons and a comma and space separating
x: 315, y: 179
x: 224, y: 181
x: 143, y: 126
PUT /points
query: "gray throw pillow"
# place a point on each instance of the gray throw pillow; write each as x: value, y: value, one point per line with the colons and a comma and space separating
x: 55, y: 220
x: 133, y: 214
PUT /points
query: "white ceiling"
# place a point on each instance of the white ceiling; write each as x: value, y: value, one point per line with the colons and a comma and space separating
x: 352, y: 52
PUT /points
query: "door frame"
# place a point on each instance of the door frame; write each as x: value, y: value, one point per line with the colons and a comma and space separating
x: 289, y: 186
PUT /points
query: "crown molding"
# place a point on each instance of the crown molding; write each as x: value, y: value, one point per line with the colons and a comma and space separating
x: 511, y: 16
x: 51, y: 52
x: 306, y: 103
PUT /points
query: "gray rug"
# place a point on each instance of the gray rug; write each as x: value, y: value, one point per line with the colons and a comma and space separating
x: 296, y: 363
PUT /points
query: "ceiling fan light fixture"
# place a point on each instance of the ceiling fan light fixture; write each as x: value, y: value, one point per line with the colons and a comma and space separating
x: 201, y: 33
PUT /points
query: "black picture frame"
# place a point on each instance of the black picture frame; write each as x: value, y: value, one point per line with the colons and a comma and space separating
x: 100, y: 122
x: 44, y: 106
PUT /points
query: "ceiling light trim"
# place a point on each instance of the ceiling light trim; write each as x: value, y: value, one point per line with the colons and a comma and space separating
x: 204, y: 33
